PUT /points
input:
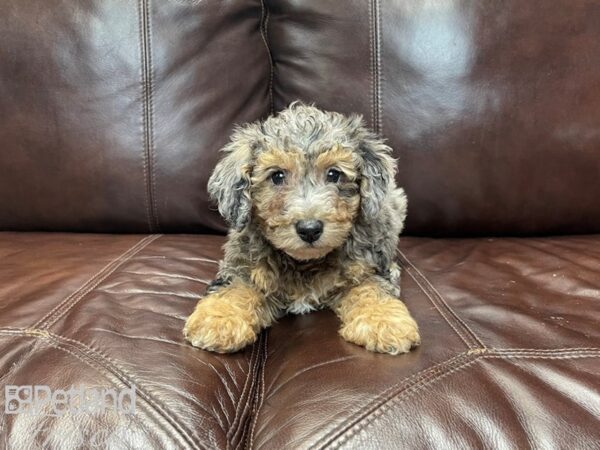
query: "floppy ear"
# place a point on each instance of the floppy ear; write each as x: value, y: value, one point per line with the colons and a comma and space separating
x: 229, y: 184
x: 377, y: 174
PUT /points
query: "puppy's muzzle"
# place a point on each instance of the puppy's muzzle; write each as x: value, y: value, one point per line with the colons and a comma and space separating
x: 309, y: 230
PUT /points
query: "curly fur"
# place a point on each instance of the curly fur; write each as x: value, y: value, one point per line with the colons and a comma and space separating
x: 268, y: 270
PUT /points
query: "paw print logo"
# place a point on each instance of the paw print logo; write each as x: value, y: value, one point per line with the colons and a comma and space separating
x: 17, y: 398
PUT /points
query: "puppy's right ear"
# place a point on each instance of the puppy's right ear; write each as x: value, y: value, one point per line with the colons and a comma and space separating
x: 229, y: 184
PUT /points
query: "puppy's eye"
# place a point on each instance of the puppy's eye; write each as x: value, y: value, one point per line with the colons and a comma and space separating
x: 278, y: 177
x: 333, y: 175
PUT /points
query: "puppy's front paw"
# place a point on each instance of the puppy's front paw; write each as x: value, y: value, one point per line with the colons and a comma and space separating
x: 220, y: 328
x: 385, y: 328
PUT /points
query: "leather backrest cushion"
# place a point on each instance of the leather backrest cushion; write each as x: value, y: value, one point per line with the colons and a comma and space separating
x: 112, y: 112
x: 492, y: 107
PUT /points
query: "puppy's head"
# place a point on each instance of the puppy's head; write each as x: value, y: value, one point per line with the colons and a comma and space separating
x: 304, y: 177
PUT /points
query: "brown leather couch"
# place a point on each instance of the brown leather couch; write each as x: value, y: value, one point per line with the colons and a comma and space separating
x: 111, y: 115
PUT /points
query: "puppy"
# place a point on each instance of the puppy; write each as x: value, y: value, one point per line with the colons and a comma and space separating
x: 315, y: 216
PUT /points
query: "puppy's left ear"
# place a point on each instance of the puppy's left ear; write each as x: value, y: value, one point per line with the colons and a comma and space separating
x: 229, y: 184
x: 377, y: 173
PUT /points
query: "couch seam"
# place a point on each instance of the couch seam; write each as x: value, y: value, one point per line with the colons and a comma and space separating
x: 384, y: 396
x: 544, y: 350
x: 151, y: 123
x: 371, y: 417
x: 371, y: 68
x: 243, y: 393
x: 101, y: 362
x: 439, y: 309
x: 577, y: 355
x: 543, y: 354
x: 375, y: 65
x: 431, y: 292
x: 143, y: 95
x: 76, y: 296
x: 260, y: 393
x: 377, y: 43
x: 406, y: 393
x: 232, y: 432
x: 147, y: 112
x: 264, y: 32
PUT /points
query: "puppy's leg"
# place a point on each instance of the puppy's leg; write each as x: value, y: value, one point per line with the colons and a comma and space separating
x: 373, y: 318
x: 229, y: 319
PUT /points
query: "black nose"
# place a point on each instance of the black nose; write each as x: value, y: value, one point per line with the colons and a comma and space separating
x: 309, y: 230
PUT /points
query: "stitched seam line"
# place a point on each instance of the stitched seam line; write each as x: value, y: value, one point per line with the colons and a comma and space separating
x: 69, y: 302
x: 441, y: 298
x: 372, y: 66
x: 545, y: 350
x: 550, y: 354
x: 370, y: 419
x: 151, y: 119
x: 419, y: 386
x: 147, y: 112
x: 398, y: 389
x: 398, y: 400
x: 243, y: 394
x: 260, y: 392
x: 241, y: 435
x: 377, y: 43
x: 83, y: 292
x: 433, y: 295
x: 264, y: 32
x: 144, y: 118
x: 245, y: 397
x: 91, y: 283
x: 390, y: 392
x: 98, y: 360
x: 439, y: 309
x: 563, y: 356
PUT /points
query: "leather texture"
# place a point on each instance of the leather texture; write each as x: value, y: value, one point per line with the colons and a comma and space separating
x: 113, y: 111
x: 510, y: 355
x: 111, y: 115
x: 491, y: 107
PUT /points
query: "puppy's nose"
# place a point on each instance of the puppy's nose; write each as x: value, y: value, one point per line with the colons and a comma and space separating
x: 309, y: 230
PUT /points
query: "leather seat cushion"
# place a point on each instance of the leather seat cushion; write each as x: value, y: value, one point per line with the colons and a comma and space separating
x: 509, y: 355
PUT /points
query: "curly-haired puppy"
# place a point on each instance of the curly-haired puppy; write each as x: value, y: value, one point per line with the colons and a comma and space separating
x: 315, y: 216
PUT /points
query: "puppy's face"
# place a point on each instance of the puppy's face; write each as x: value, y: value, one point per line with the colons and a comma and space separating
x: 303, y: 177
x: 305, y: 202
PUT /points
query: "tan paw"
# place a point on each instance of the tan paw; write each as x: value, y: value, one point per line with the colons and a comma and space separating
x: 222, y: 330
x: 384, y: 330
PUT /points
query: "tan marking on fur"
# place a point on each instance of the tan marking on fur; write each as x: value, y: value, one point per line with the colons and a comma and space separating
x: 339, y: 157
x: 357, y: 271
x: 228, y: 319
x: 269, y: 200
x: 264, y: 279
x: 377, y: 321
x: 290, y: 161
